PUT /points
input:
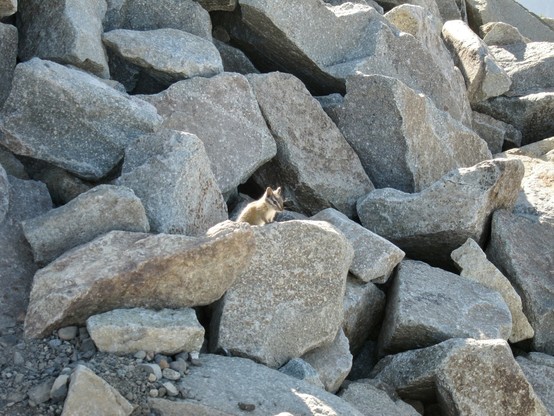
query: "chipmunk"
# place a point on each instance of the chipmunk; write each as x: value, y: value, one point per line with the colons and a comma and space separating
x: 263, y: 210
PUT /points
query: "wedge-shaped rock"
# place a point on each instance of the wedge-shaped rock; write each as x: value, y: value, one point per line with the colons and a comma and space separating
x: 295, y: 295
x: 300, y: 369
x: 96, y: 212
x: 541, y: 377
x: 8, y: 55
x: 223, y: 5
x: 424, y: 224
x: 427, y: 305
x: 473, y: 263
x: 127, y: 331
x: 495, y: 132
x: 222, y: 111
x: 402, y: 139
x: 87, y: 391
x: 65, y: 31
x: 331, y: 177
x: 7, y: 7
x: 127, y: 269
x: 170, y: 172
x: 221, y: 384
x: 86, y: 127
x: 11, y: 164
x: 484, y: 77
x: 500, y: 33
x: 441, y: 9
x: 234, y: 60
x: 522, y: 251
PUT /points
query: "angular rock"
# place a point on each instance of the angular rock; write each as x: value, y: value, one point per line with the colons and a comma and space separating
x: 4, y: 194
x: 88, y: 391
x: 484, y: 77
x: 221, y: 5
x: 473, y: 263
x: 88, y: 123
x: 234, y: 60
x: 127, y: 269
x: 40, y: 393
x: 127, y: 331
x: 500, y: 33
x: 8, y: 56
x: 96, y: 212
x: 541, y: 377
x: 170, y: 172
x: 7, y: 7
x: 427, y: 305
x: 331, y: 177
x: 58, y: 391
x: 67, y: 32
x: 522, y: 251
x: 442, y: 9
x: 302, y: 370
x: 295, y: 295
x: 11, y: 164
x: 222, y: 111
x: 495, y: 132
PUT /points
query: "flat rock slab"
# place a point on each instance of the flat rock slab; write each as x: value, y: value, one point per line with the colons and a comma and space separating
x: 295, y: 294
x: 423, y: 225
x: 86, y: 127
x: 8, y: 56
x: 127, y: 269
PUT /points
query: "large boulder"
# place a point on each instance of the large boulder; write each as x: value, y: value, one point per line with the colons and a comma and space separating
x: 541, y: 376
x: 86, y: 127
x: 500, y: 33
x: 295, y: 295
x: 8, y: 55
x: 331, y: 177
x: 127, y: 269
x: 423, y: 224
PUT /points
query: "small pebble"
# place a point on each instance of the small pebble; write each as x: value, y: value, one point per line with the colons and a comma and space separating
x: 152, y: 377
x: 163, y: 364
x: 55, y: 343
x: 171, y: 389
x: 141, y: 355
x: 171, y: 374
x: 162, y: 391
x: 179, y: 365
x: 153, y: 393
x: 67, y: 333
x: 247, y: 407
x: 18, y: 358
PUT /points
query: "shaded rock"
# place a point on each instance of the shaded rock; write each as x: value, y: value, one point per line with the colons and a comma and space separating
x: 59, y: 388
x: 221, y: 5
x: 234, y: 60
x: 88, y: 391
x: 374, y: 257
x: 541, y: 377
x: 484, y: 77
x: 221, y: 383
x: 67, y: 333
x: 495, y: 132
x: 83, y: 219
x: 423, y: 143
x: 473, y: 263
x: 126, y: 331
x: 422, y: 224
x: 170, y: 172
x: 500, y: 33
x: 8, y: 56
x: 295, y: 295
x: 364, y: 361
x: 151, y: 368
x: 83, y: 132
x: 127, y: 269
x: 64, y: 32
x: 522, y: 251
x: 427, y: 305
x: 441, y: 9
x: 11, y: 164
x: 40, y: 393
x: 331, y: 177
x: 302, y: 370
x: 222, y: 111
x: 7, y: 7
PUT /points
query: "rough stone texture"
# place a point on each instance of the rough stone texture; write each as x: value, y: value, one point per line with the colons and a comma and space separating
x: 4, y: 194
x: 374, y: 257
x: 222, y: 111
x: 167, y: 55
x: 295, y: 295
x: 127, y: 269
x: 96, y: 212
x: 170, y: 172
x: 300, y: 369
x: 223, y: 382
x: 7, y: 7
x: 541, y: 377
x: 473, y: 263
x: 331, y: 177
x: 522, y: 251
x: 500, y: 33
x: 91, y: 396
x: 27, y: 199
x: 427, y: 305
x: 422, y: 143
x: 442, y: 10
x: 186, y: 15
x: 8, y: 55
x: 234, y: 60
x: 423, y: 225
x: 127, y: 331
x: 11, y: 164
x: 68, y: 32
x: 332, y: 362
x: 495, y: 132
x: 87, y: 124
x: 222, y: 5
x: 484, y: 77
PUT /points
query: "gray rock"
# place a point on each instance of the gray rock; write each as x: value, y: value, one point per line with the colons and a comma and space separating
x: 40, y: 393
x: 522, y: 251
x: 88, y: 123
x: 222, y: 111
x: 58, y: 391
x: 541, y: 377
x: 129, y: 269
x: 495, y: 132
x: 171, y: 374
x: 221, y: 5
x: 171, y: 389
x: 7, y: 7
x: 96, y: 212
x: 11, y: 164
x: 500, y: 33
x: 332, y: 362
x: 331, y: 177
x: 221, y: 383
x: 151, y: 368
x: 427, y: 305
x: 170, y: 172
x: 127, y: 331
x: 4, y: 194
x: 66, y: 32
x: 540, y: 358
x: 374, y: 257
x: 88, y: 391
x: 8, y: 56
x: 484, y: 77
x: 423, y: 143
x: 234, y: 60
x: 67, y: 333
x: 302, y: 370
x: 422, y: 224
x: 295, y: 295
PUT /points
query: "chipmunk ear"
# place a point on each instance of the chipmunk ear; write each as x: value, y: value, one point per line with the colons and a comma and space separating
x: 278, y: 191
x: 268, y: 191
